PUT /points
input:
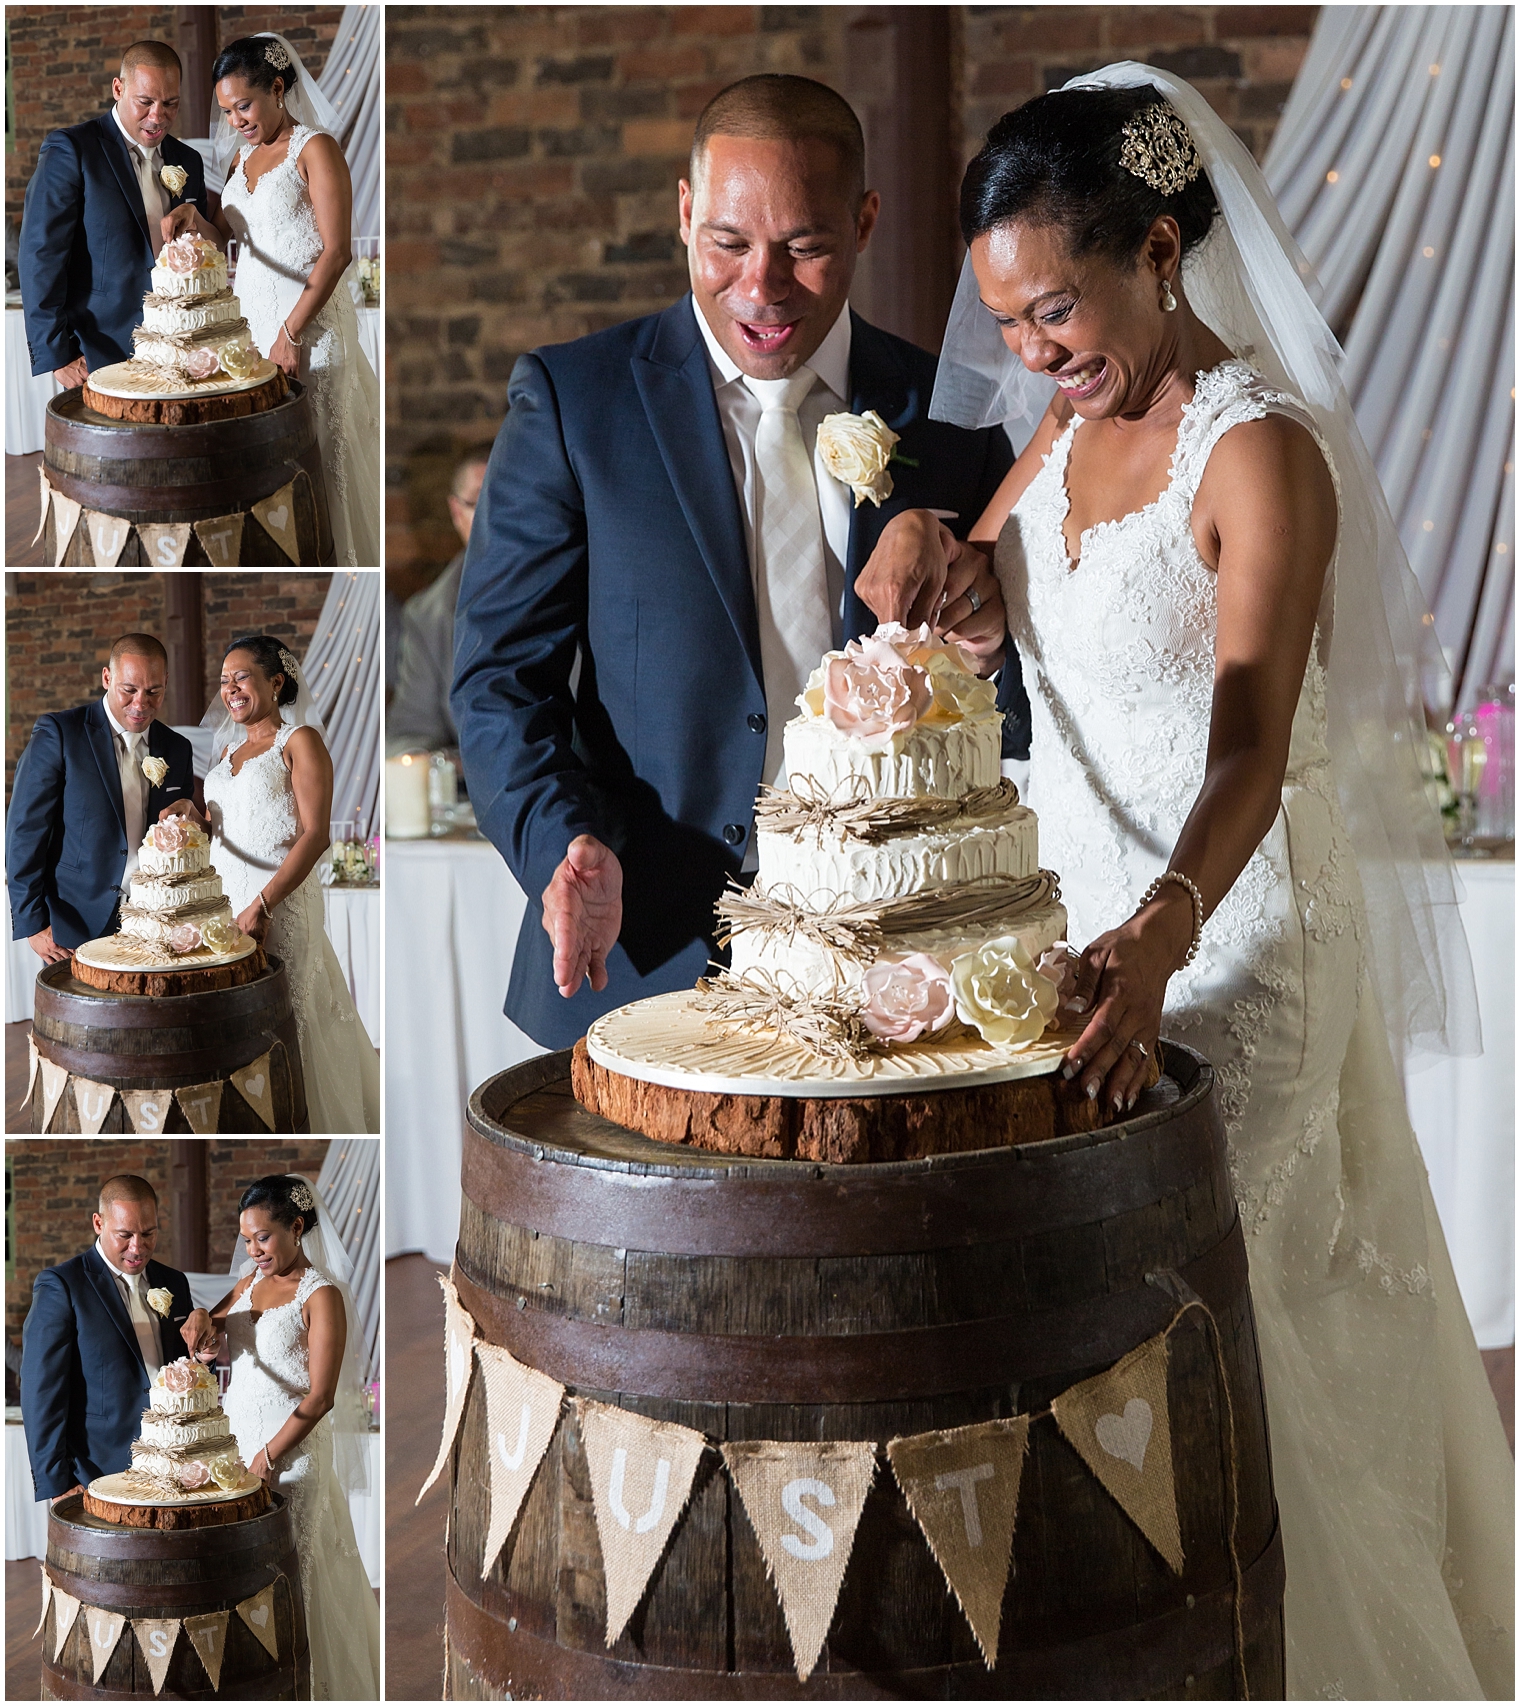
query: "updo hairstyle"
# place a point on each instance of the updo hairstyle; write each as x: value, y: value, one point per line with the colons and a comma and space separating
x: 276, y: 1194
x: 247, y: 57
x: 266, y: 652
x: 1056, y: 161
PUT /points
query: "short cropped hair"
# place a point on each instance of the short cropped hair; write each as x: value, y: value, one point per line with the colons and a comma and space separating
x: 126, y: 1187
x: 138, y: 646
x: 777, y: 108
x: 477, y: 457
x: 155, y: 53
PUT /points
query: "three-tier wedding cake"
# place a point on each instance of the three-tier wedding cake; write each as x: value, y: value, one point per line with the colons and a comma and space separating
x: 193, y: 328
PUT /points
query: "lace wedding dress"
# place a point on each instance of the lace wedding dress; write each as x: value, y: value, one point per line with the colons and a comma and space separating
x: 278, y: 242
x: 270, y: 1376
x: 254, y: 824
x: 1393, y: 1475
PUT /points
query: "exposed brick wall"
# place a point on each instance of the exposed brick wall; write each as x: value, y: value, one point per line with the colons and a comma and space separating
x: 55, y: 1187
x: 62, y: 60
x: 533, y: 154
x: 59, y: 629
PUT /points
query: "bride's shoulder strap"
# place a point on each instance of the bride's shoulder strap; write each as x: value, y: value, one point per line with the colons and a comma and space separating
x: 299, y: 137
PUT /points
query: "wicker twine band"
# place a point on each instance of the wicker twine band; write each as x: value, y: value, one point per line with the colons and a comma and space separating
x: 858, y: 814
x: 219, y: 333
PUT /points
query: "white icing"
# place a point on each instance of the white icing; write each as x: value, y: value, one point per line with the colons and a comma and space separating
x: 188, y: 861
x: 191, y: 315
x: 212, y: 1429
x: 931, y: 759
x: 155, y: 927
x: 174, y: 359
x: 166, y: 895
x: 203, y: 1397
x: 207, y: 279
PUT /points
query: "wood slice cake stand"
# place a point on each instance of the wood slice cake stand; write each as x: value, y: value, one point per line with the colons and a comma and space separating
x: 206, y: 1510
x: 175, y: 979
x: 194, y: 406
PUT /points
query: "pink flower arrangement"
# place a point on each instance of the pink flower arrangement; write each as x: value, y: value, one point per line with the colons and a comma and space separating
x: 181, y: 1375
x: 172, y: 835
x: 907, y: 997
x: 184, y: 939
x: 873, y: 692
x: 192, y: 1474
x: 201, y: 363
x: 183, y: 255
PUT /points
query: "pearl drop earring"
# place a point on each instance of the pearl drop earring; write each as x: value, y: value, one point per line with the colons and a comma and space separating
x: 1168, y: 301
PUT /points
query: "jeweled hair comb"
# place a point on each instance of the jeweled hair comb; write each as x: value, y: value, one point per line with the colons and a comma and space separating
x: 1158, y: 149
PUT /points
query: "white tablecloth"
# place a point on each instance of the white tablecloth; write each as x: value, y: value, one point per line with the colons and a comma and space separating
x: 26, y: 1518
x: 26, y: 399
x: 370, y: 323
x: 452, y: 913
x: 1464, y: 1114
x: 352, y: 918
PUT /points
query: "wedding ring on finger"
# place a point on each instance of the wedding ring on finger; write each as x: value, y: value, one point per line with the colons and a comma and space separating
x: 973, y: 600
x: 1139, y: 1048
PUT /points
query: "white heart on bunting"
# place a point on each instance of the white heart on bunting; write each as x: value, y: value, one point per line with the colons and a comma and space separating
x: 253, y: 1084
x: 256, y: 1613
x: 276, y: 515
x: 1128, y: 1435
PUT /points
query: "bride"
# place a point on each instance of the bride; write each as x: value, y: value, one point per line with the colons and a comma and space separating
x: 269, y: 802
x: 288, y: 203
x: 295, y: 1407
x: 1217, y: 758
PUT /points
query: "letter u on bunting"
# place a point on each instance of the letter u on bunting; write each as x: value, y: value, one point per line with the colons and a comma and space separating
x: 522, y: 1410
x: 104, y: 1629
x: 207, y: 1633
x: 1119, y: 1424
x: 641, y: 1475
x: 804, y: 1503
x: 277, y: 516
x: 108, y: 537
x: 255, y: 1084
x: 458, y: 1359
x: 258, y: 1614
x: 962, y: 1486
x: 156, y: 1636
x: 94, y: 1103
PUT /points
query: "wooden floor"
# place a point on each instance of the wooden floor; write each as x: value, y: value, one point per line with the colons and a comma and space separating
x: 414, y: 1567
x: 23, y: 1654
x: 23, y: 505
x: 15, y: 1077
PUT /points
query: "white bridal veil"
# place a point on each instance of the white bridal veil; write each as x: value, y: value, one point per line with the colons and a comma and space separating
x: 349, y: 1417
x: 305, y: 103
x: 1245, y: 281
x: 302, y: 714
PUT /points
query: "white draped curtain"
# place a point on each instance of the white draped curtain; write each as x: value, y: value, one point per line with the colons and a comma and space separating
x: 1394, y: 168
x: 350, y: 1186
x: 351, y: 81
x: 342, y: 667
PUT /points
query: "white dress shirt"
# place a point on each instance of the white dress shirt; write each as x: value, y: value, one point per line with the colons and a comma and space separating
x: 146, y: 163
x: 740, y: 411
x: 131, y: 750
x: 133, y: 1287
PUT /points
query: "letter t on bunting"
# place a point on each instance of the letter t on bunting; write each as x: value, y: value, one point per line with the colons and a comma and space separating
x: 962, y: 1486
x: 804, y: 1503
x: 522, y: 1410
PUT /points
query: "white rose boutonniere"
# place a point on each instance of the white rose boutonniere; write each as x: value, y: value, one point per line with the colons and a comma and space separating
x: 856, y: 450
x: 161, y: 1300
x: 155, y: 769
x: 173, y: 178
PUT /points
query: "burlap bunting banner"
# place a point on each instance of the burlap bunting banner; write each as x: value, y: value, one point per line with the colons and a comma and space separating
x: 207, y: 1633
x: 962, y: 1486
x: 47, y: 494
x: 54, y: 1078
x: 522, y: 1409
x: 65, y: 1610
x: 222, y: 540
x: 94, y: 1103
x: 47, y: 1595
x: 201, y: 1104
x: 255, y: 1084
x: 104, y: 1629
x: 276, y: 514
x: 804, y: 1503
x: 66, y: 514
x: 258, y: 1614
x: 108, y: 537
x: 1119, y: 1423
x: 459, y: 1359
x: 156, y: 1636
x: 32, y: 1057
x: 148, y: 1110
x: 641, y: 1475
x: 164, y: 542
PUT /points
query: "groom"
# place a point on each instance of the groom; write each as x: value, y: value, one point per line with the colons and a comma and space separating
x: 90, y: 230
x: 88, y: 784
x: 100, y: 1327
x: 659, y: 559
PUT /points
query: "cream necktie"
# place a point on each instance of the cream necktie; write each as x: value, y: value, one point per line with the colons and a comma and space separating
x: 791, y: 583
x: 142, y: 1323
x: 155, y: 198
x: 134, y: 797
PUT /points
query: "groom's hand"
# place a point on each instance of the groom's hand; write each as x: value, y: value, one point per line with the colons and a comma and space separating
x: 185, y: 217
x: 74, y: 374
x: 198, y: 1331
x: 44, y: 945
x: 904, y: 578
x: 583, y: 913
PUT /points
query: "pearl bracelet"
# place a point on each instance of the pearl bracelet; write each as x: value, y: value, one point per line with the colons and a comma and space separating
x: 1184, y: 881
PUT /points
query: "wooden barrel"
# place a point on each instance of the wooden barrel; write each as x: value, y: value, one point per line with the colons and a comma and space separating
x: 157, y: 1573
x: 189, y: 473
x: 785, y: 1300
x: 140, y: 1042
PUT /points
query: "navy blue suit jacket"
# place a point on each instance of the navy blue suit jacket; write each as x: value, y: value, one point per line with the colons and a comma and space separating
x: 66, y: 832
x: 86, y: 251
x: 84, y: 1385
x: 607, y: 648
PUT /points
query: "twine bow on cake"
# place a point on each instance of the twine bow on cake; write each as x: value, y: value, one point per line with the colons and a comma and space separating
x: 853, y: 811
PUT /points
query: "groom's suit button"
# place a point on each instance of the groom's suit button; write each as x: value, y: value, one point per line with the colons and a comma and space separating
x: 756, y: 723
x: 733, y: 833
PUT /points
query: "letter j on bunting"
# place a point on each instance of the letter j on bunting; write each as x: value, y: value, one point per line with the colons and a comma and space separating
x: 522, y: 1410
x: 459, y: 1359
x: 1119, y: 1423
x: 65, y: 1610
x: 641, y: 1476
x: 804, y: 1503
x: 962, y: 1486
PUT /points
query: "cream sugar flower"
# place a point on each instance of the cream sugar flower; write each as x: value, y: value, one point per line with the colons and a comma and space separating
x: 999, y: 992
x: 856, y: 450
x: 173, y: 178
x: 160, y: 1300
x: 881, y: 687
x: 155, y: 769
x: 906, y: 997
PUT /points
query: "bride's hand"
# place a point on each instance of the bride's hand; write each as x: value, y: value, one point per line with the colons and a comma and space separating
x: 185, y: 217
x: 285, y: 355
x: 262, y: 1467
x: 904, y: 578
x: 253, y: 920
x: 199, y: 1332
x: 1127, y: 971
x: 181, y: 808
x: 973, y: 615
